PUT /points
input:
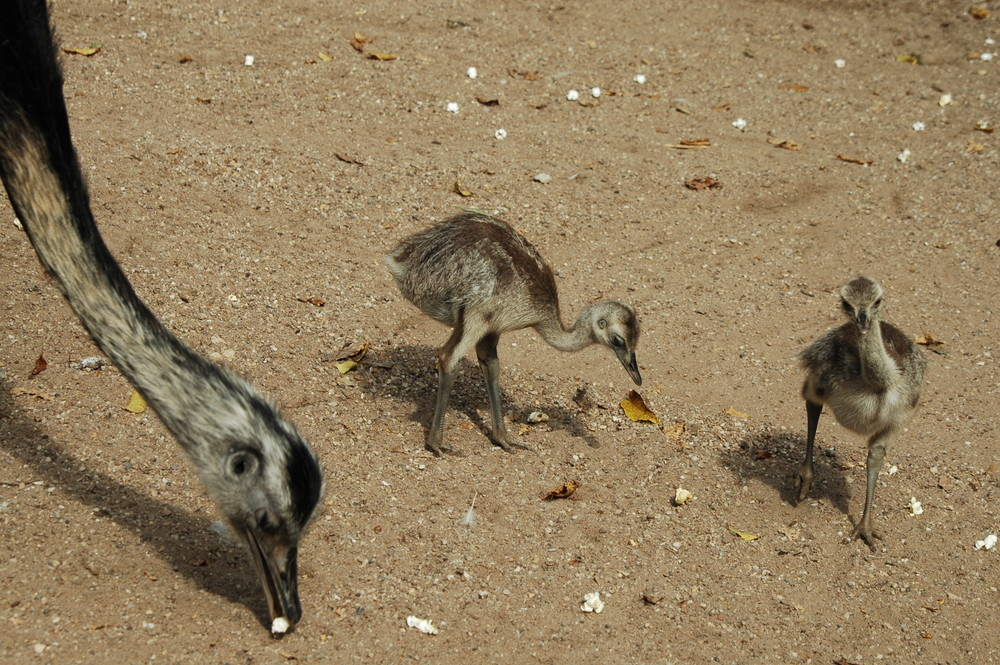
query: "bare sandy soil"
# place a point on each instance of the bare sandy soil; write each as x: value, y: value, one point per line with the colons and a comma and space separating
x: 252, y: 205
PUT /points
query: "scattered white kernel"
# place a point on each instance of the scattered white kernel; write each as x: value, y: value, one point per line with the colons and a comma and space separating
x: 895, y: 469
x: 945, y: 100
x: 248, y: 60
x: 500, y: 134
x: 987, y: 543
x: 537, y: 417
x: 915, y: 507
x: 681, y: 496
x: 452, y: 107
x: 592, y: 603
x: 740, y: 124
x: 280, y: 626
x: 640, y: 78
x: 990, y: 41
x: 472, y: 72
x: 18, y: 224
x: 573, y: 95
x: 423, y: 625
x: 543, y: 178
x: 595, y: 92
x: 840, y: 63
x: 986, y: 57
x: 919, y: 126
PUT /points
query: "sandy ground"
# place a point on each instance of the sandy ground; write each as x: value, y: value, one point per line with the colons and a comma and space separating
x: 239, y: 198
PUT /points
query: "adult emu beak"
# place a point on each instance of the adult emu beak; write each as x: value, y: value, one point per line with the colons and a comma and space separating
x: 628, y: 361
x: 275, y: 563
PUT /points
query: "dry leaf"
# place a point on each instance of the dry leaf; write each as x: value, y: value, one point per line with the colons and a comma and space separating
x: 348, y: 361
x: 30, y: 392
x: 563, y: 491
x: 347, y: 159
x: 358, y: 41
x: 136, y: 404
x: 526, y: 75
x: 909, y: 58
x: 739, y: 414
x: 784, y: 144
x: 698, y: 184
x: 40, y: 365
x: 691, y: 144
x: 457, y: 188
x: 324, y: 57
x: 793, y: 87
x: 636, y: 410
x: 975, y: 147
x: 854, y: 160
x: 742, y: 534
x: 488, y: 101
x: 979, y: 13
x: 82, y: 51
x: 932, y: 343
x: 381, y: 57
x: 984, y: 127
x: 318, y: 302
x: 722, y: 107
x: 675, y: 432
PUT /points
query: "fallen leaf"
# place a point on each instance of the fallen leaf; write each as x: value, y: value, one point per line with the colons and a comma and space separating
x: 82, y: 51
x: 738, y: 414
x: 457, y: 188
x: 324, y: 57
x: 691, y: 144
x: 722, y: 107
x: 675, y: 432
x: 381, y: 57
x: 979, y: 13
x: 985, y: 127
x: 488, y: 101
x: 348, y: 361
x: 359, y: 41
x: 649, y: 598
x: 928, y: 340
x: 793, y: 87
x: 40, y: 365
x: 636, y: 410
x: 30, y: 392
x: 698, y: 184
x: 563, y: 491
x: 526, y: 75
x: 909, y: 58
x: 975, y: 147
x: 318, y: 302
x: 854, y: 160
x: 742, y: 534
x: 347, y: 159
x: 784, y: 144
x: 136, y: 404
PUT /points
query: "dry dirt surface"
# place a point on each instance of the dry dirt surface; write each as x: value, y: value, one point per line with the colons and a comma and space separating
x: 252, y: 206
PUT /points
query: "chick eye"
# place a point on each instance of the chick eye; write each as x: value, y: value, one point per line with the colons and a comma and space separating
x: 878, y: 303
x: 844, y: 305
x: 242, y: 463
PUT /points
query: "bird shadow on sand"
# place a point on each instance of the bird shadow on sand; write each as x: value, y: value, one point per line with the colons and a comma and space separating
x: 181, y: 538
x: 773, y: 457
x: 409, y: 373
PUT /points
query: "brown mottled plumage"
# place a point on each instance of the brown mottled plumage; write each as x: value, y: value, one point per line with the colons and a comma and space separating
x: 870, y: 375
x: 475, y: 273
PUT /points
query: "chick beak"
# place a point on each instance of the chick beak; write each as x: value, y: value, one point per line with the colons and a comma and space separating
x: 864, y: 322
x: 627, y: 359
x: 275, y: 564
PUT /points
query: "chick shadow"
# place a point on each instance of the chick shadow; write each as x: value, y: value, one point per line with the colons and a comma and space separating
x: 409, y: 373
x: 773, y: 457
x: 182, y: 539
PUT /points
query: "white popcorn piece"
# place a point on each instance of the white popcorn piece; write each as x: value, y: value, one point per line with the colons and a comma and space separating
x: 18, y: 225
x: 423, y: 625
x: 986, y: 57
x: 915, y: 507
x: 595, y: 92
x: 573, y: 95
x: 740, y: 124
x: 537, y: 417
x: 895, y: 469
x: 840, y: 63
x: 451, y: 107
x: 500, y: 134
x: 640, y: 78
x: 682, y: 496
x: 903, y: 156
x: 472, y: 72
x: 280, y: 626
x: 987, y: 543
x: 919, y: 126
x: 248, y: 60
x: 592, y: 603
x: 945, y: 100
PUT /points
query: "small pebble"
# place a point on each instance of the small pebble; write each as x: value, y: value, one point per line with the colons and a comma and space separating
x: 919, y: 126
x: 543, y: 178
x: 840, y: 63
x: 945, y: 100
x: 640, y: 78
x: 248, y: 60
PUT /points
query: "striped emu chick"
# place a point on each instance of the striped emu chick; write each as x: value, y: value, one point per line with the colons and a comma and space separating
x: 260, y: 472
x: 870, y: 374
x: 478, y: 275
